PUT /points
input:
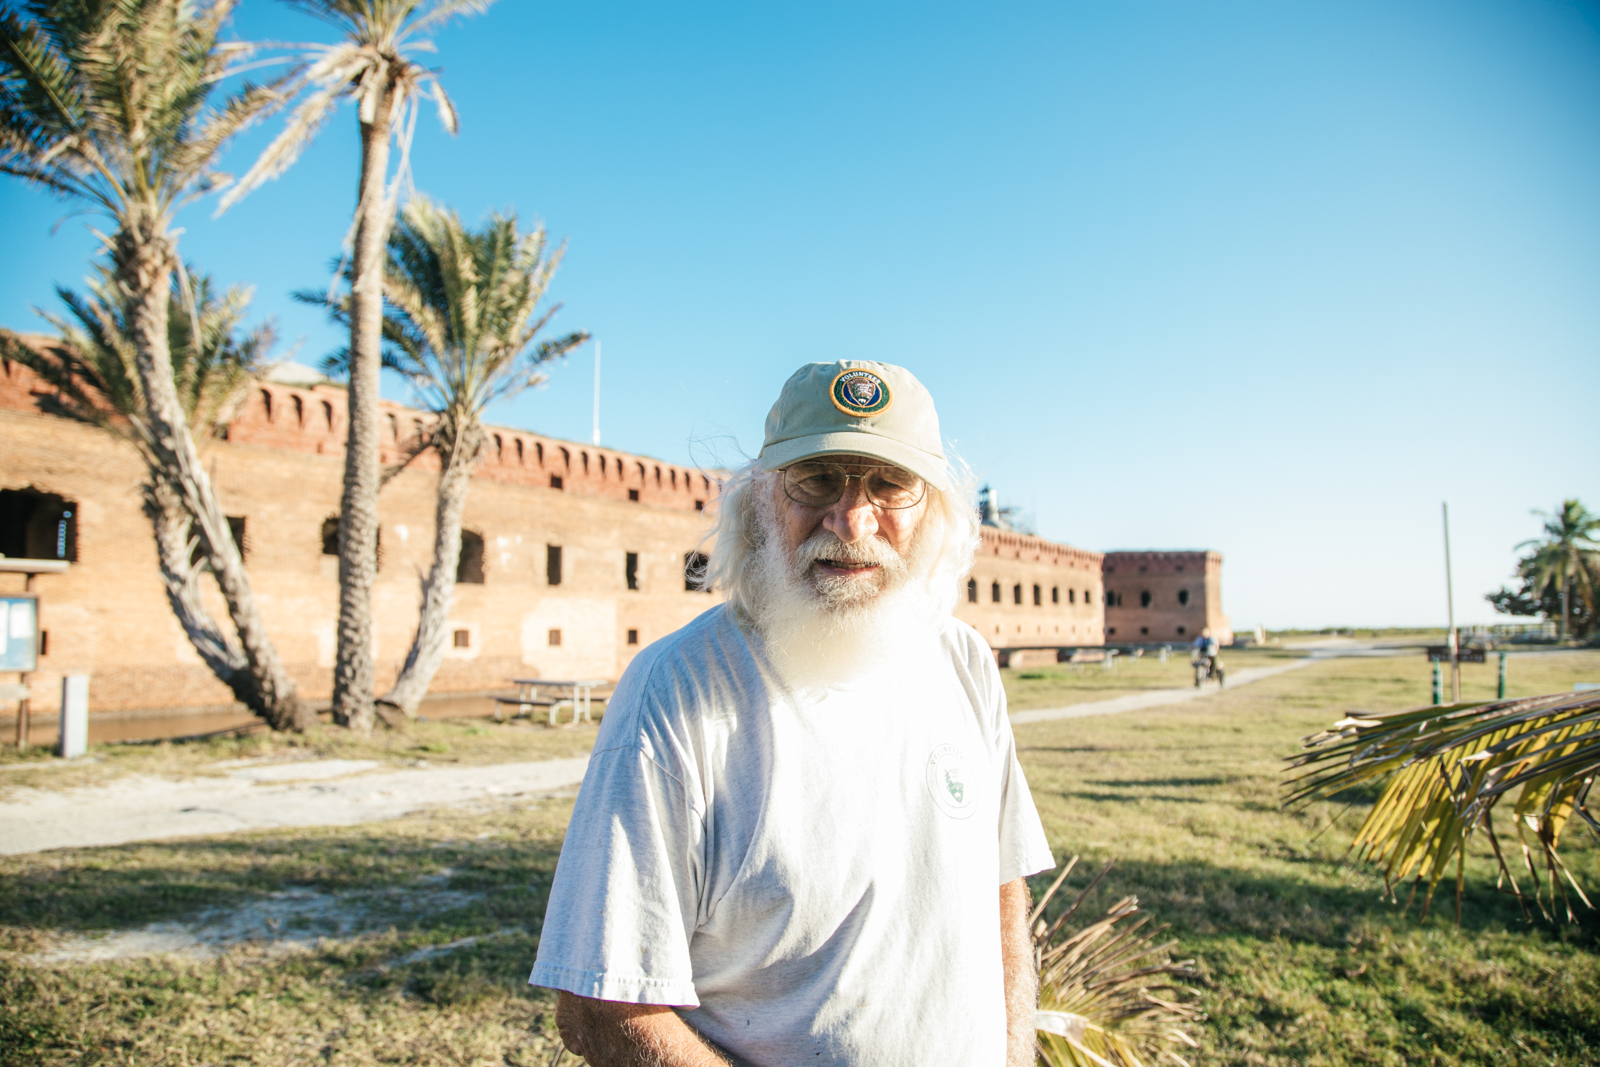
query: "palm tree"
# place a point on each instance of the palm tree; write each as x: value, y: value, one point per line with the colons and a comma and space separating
x: 1443, y: 771
x: 1565, y: 555
x: 463, y: 313
x: 94, y: 370
x: 1108, y: 995
x: 372, y: 66
x: 107, y: 103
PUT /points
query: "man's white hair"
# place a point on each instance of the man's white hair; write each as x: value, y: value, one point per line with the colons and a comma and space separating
x: 947, y: 533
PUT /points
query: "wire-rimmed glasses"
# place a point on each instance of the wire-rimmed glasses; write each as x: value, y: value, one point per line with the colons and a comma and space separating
x: 817, y: 484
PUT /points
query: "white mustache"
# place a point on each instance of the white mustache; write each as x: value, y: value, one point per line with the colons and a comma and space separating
x: 826, y: 545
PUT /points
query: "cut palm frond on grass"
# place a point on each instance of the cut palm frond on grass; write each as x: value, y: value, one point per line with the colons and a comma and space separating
x: 1107, y: 996
x: 1443, y: 771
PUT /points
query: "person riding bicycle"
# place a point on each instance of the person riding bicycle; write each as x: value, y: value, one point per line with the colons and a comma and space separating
x: 1205, y: 660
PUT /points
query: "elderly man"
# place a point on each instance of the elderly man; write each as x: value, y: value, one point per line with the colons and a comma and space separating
x: 803, y: 834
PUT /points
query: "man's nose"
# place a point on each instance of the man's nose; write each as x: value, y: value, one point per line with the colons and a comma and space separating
x: 852, y: 518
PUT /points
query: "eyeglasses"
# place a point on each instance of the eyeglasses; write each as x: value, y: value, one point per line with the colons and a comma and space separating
x: 821, y: 485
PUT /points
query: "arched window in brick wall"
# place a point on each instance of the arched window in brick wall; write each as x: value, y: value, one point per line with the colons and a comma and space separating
x: 1183, y: 596
x: 499, y: 449
x: 1038, y: 595
x: 538, y: 450
x: 585, y: 456
x: 1144, y: 598
x: 972, y: 590
x: 327, y: 414
x: 566, y: 459
x: 1055, y: 594
x: 469, y: 569
x: 266, y: 403
x: 299, y: 410
x: 994, y: 592
x: 519, y: 451
x: 1016, y: 593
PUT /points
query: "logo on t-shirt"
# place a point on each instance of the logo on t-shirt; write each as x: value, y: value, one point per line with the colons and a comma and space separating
x: 948, y: 782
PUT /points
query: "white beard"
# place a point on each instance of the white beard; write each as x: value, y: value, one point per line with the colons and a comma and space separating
x: 822, y: 629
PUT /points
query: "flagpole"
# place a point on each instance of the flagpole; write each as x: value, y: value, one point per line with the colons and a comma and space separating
x: 1450, y: 604
x: 597, y: 392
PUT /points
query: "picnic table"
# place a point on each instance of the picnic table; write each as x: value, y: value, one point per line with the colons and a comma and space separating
x: 580, y: 694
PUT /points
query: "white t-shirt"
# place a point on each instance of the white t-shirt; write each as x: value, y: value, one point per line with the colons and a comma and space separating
x: 811, y: 877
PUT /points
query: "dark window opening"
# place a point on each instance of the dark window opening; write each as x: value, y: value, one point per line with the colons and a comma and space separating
x: 555, y: 481
x: 658, y: 477
x: 44, y: 642
x: 1016, y: 593
x: 633, y: 637
x: 994, y: 592
x: 299, y: 411
x: 236, y: 530
x: 327, y: 414
x: 554, y: 638
x: 633, y: 494
x: 538, y: 450
x: 1072, y: 596
x: 1055, y: 594
x: 463, y: 639
x: 35, y: 525
x: 469, y: 568
x: 1182, y: 630
x: 699, y: 505
x: 519, y: 451
x: 499, y: 448
x: 585, y: 456
x: 552, y: 564
x: 694, y: 572
x: 1144, y: 629
x: 972, y: 590
x: 330, y: 539
x: 1183, y: 596
x: 1144, y: 598
x: 1038, y: 596
x: 1088, y: 596
x: 630, y: 569
x: 266, y: 403
x: 1112, y: 630
x: 566, y: 459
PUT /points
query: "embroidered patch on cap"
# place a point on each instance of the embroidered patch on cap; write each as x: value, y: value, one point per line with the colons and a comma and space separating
x: 860, y: 393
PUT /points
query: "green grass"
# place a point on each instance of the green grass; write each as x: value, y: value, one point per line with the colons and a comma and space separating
x: 1302, y: 960
x: 1065, y: 684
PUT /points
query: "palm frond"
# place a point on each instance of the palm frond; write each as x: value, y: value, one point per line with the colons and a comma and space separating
x: 1107, y: 992
x: 1444, y: 769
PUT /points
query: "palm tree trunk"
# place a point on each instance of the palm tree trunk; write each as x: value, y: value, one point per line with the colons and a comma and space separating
x: 145, y: 259
x: 174, y: 552
x: 353, y: 670
x: 438, y: 588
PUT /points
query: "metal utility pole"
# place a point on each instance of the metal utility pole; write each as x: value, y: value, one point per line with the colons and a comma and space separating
x: 1450, y: 602
x: 597, y: 392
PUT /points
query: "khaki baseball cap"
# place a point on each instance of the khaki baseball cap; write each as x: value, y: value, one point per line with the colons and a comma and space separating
x: 856, y: 407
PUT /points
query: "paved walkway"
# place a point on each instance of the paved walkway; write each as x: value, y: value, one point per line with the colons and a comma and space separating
x: 1154, y: 698
x: 309, y: 793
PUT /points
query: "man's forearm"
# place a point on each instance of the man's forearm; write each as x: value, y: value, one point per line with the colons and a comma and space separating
x: 1022, y: 977
x: 612, y: 1034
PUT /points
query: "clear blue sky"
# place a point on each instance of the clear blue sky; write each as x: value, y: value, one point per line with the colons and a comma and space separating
x: 1268, y: 278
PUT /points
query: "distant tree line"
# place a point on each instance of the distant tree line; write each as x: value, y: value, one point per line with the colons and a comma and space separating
x: 1558, y: 576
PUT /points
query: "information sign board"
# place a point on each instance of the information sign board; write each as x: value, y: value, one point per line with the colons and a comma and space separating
x: 1463, y: 655
x: 19, y: 633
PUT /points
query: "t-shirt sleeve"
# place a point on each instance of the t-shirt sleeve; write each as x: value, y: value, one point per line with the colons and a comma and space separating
x: 1024, y: 849
x: 626, y: 891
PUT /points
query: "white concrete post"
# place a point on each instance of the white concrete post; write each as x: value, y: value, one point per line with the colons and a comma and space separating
x: 74, y: 716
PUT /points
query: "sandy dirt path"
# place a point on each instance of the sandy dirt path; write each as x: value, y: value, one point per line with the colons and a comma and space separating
x: 308, y: 793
